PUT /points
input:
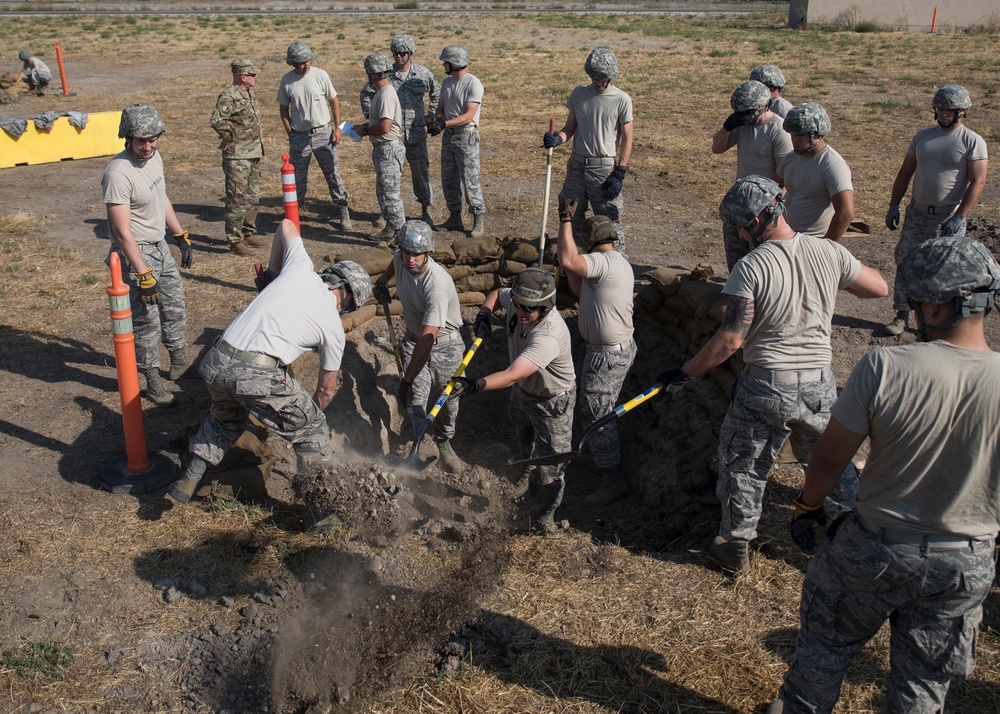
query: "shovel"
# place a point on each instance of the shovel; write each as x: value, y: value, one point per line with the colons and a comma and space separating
x: 616, y: 413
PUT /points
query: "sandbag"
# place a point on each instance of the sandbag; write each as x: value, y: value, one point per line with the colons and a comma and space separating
x: 678, y: 305
x: 512, y: 268
x: 471, y: 251
x: 667, y: 316
x: 649, y: 298
x: 395, y: 308
x: 718, y: 311
x: 457, y: 272
x: 667, y: 279
x: 243, y: 472
x: 374, y: 259
x: 678, y: 335
x: 702, y: 271
x: 443, y: 253
x: 701, y: 295
x: 522, y: 252
x: 490, y: 266
x: 694, y: 331
x: 709, y: 326
x: 479, y: 283
x: 358, y: 318
x: 471, y: 298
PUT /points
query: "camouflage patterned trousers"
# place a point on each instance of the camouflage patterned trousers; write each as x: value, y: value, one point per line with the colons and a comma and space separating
x: 918, y: 226
x: 302, y: 146
x: 239, y: 390
x: 419, y: 161
x: 931, y: 598
x: 542, y: 427
x: 149, y: 322
x: 764, y: 413
x: 460, y: 167
x: 433, y: 378
x: 388, y: 161
x: 585, y: 183
x: 601, y: 381
x: 242, y: 197
x: 735, y: 246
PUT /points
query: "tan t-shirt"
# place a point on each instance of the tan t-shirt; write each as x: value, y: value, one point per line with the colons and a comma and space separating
x: 606, y: 299
x: 794, y: 285
x: 546, y: 345
x: 931, y: 410
x: 759, y: 148
x: 307, y: 98
x: 812, y: 182
x: 943, y: 157
x: 457, y: 93
x: 428, y: 299
x: 140, y: 186
x: 385, y: 105
x: 599, y: 119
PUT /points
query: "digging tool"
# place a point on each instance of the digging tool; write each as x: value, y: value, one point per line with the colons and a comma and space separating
x: 432, y: 415
x: 392, y: 337
x: 616, y: 413
x: 545, y: 197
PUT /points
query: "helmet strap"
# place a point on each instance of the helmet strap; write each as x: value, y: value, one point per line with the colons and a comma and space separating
x: 959, y: 113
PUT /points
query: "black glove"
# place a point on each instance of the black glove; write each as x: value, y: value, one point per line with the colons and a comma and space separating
x: 149, y: 291
x: 436, y: 126
x: 465, y: 386
x: 263, y: 277
x: 381, y: 292
x: 673, y: 381
x: 551, y: 141
x: 567, y: 208
x: 613, y: 184
x: 403, y: 393
x: 737, y: 119
x: 804, y: 523
x: 892, y: 218
x: 184, y: 243
x: 481, y: 326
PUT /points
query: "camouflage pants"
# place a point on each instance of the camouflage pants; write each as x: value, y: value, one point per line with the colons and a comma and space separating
x: 169, y: 318
x: 419, y: 161
x: 601, y: 381
x: 585, y: 184
x: 542, y: 427
x: 431, y: 381
x: 277, y: 401
x: 388, y: 161
x: 39, y: 78
x: 918, y: 226
x: 460, y: 167
x: 736, y: 247
x: 764, y: 413
x: 242, y: 197
x: 932, y: 599
x: 303, y: 146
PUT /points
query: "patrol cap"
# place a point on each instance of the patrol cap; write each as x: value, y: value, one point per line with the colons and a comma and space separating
x: 598, y: 229
x: 950, y: 268
x: 747, y: 198
x: 24, y: 55
x: 243, y: 66
x: 534, y: 287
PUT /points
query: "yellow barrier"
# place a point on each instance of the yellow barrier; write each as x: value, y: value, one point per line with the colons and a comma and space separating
x: 64, y: 141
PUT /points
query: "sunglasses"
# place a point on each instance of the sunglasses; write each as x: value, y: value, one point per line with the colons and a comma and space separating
x: 525, y: 308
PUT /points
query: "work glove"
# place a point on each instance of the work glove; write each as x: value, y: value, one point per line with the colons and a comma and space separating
x: 481, y: 327
x: 892, y: 218
x: 566, y: 210
x: 184, y: 243
x: 613, y: 184
x: 551, y: 141
x: 465, y: 386
x: 403, y: 393
x: 954, y: 226
x: 263, y: 277
x: 381, y: 292
x: 737, y: 119
x: 149, y: 291
x: 673, y: 381
x: 804, y: 523
x: 436, y: 126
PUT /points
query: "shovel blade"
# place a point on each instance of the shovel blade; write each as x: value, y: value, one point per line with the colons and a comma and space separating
x: 547, y: 460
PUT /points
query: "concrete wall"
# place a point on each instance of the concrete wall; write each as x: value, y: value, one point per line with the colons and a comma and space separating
x: 912, y: 14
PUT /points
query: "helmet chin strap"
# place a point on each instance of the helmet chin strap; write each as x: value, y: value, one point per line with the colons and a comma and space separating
x: 923, y: 328
x: 959, y: 113
x: 774, y: 211
x: 810, y: 148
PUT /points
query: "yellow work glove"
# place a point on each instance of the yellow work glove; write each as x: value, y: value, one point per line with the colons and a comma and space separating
x: 149, y: 291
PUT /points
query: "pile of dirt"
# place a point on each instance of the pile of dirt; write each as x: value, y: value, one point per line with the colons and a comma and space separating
x: 985, y: 231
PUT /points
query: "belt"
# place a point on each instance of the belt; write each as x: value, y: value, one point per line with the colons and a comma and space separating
x: 933, y: 541
x: 257, y: 359
x: 934, y: 210
x: 314, y: 130
x: 459, y: 129
x: 620, y: 347
x: 785, y: 376
x: 595, y: 160
x: 441, y: 338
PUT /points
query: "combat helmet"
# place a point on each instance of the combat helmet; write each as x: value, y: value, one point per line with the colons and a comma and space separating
x: 751, y: 96
x: 534, y: 287
x: 455, y: 55
x: 403, y: 43
x: 298, y: 52
x: 417, y: 238
x: 601, y: 65
x: 768, y: 75
x: 598, y: 230
x: 378, y: 63
x: 356, y: 278
x: 950, y: 268
x: 952, y: 96
x: 140, y: 120
x: 747, y: 198
x: 807, y: 118
x: 24, y: 55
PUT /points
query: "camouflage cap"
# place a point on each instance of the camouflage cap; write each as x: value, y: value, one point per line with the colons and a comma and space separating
x: 403, y: 43
x: 455, y: 55
x: 140, y: 120
x: 750, y: 96
x: 768, y: 74
x: 297, y: 53
x: 950, y: 267
x: 378, y: 63
x: 356, y: 278
x: 601, y: 65
x: 243, y: 66
x: 807, y: 118
x: 747, y: 198
x: 418, y: 237
x: 952, y: 96
x: 598, y: 229
x: 24, y: 55
x: 534, y: 287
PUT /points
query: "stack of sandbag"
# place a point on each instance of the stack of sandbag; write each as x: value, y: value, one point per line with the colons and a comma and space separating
x: 688, y: 306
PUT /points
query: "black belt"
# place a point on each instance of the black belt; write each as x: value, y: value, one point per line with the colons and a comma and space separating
x: 934, y: 210
x: 314, y: 130
x: 258, y: 359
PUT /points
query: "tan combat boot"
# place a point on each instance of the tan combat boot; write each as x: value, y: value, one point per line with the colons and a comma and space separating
x: 255, y: 242
x: 477, y: 226
x: 346, y: 224
x: 241, y: 248
x: 449, y: 459
x: 179, y: 364
x: 155, y: 391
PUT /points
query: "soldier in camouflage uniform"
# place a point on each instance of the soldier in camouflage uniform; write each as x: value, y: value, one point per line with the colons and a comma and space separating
x: 781, y: 297
x: 772, y: 77
x: 412, y: 83
x: 246, y: 371
x: 918, y: 549
x: 138, y: 207
x: 947, y: 163
x: 34, y: 72
x: 542, y: 381
x: 236, y: 120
